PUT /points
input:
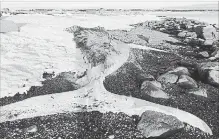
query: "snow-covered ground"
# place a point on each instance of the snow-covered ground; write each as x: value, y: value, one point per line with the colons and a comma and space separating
x: 43, y: 45
x: 95, y: 97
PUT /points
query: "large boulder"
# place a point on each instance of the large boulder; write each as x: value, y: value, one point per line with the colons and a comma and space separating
x: 153, y: 89
x: 208, y: 42
x: 209, y: 71
x: 205, y: 67
x: 203, y: 54
x: 180, y: 71
x: 198, y: 91
x: 187, y: 82
x: 168, y: 78
x: 156, y: 124
x: 191, y: 35
x: 206, y: 32
x: 215, y: 54
x: 182, y: 34
x: 213, y: 77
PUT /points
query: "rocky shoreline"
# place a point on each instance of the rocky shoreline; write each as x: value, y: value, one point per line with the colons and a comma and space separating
x: 173, y: 76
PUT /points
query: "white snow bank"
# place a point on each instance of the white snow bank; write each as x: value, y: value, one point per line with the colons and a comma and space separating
x: 8, y: 26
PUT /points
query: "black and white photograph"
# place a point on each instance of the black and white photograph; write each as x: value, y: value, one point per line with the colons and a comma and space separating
x: 101, y: 69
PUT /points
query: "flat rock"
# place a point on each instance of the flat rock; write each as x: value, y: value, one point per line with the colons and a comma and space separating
x: 187, y: 82
x: 199, y: 92
x: 156, y: 124
x: 153, y: 89
x: 168, y: 78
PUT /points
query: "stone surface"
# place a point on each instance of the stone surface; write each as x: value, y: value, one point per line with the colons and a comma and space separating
x: 213, y: 77
x: 206, y: 32
x: 205, y: 67
x: 199, y: 92
x: 156, y: 124
x: 182, y: 34
x: 31, y: 129
x: 208, y: 42
x: 152, y: 88
x: 168, y: 78
x: 187, y: 82
x: 180, y: 71
x: 203, y: 54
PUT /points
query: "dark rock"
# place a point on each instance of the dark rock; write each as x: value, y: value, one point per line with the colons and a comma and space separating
x: 156, y: 124
x: 47, y: 75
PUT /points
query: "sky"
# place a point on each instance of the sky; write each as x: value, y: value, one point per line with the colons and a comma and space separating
x: 86, y: 4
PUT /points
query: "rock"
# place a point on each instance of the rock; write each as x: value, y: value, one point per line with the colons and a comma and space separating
x: 156, y: 124
x: 182, y: 34
x: 187, y: 82
x: 209, y: 33
x: 208, y: 42
x: 180, y: 71
x: 31, y: 129
x: 162, y: 29
x: 215, y: 54
x: 190, y: 27
x: 152, y: 88
x: 198, y: 91
x: 194, y: 41
x: 215, y: 44
x: 206, y: 32
x: 203, y: 54
x: 145, y: 76
x: 191, y: 35
x: 168, y: 78
x: 111, y: 137
x: 205, y: 67
x: 213, y: 77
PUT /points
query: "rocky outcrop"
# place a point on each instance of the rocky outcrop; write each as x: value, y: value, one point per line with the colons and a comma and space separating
x: 191, y: 32
x: 155, y: 124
